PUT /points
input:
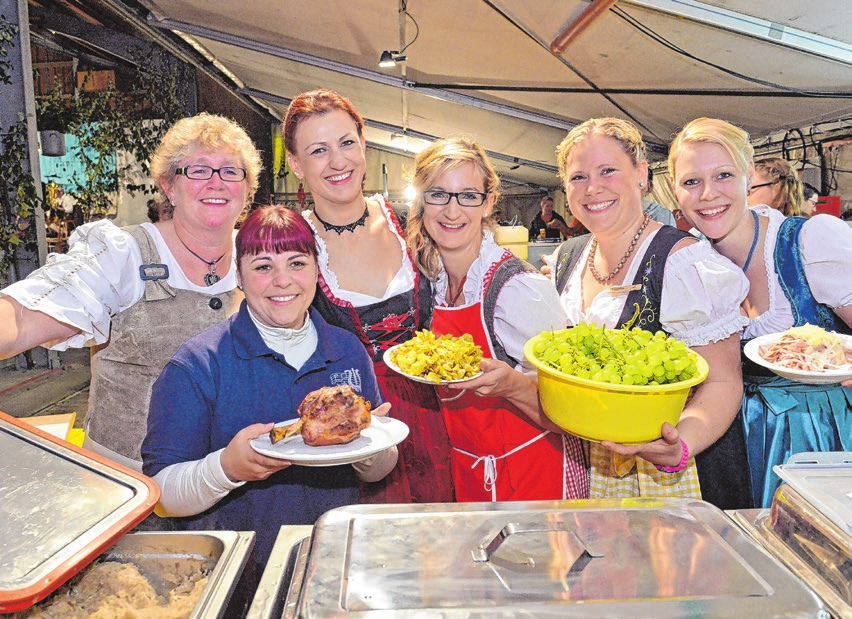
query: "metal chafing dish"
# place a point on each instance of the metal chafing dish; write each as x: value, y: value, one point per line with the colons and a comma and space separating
x: 612, y: 558
x: 809, y: 525
x: 61, y: 507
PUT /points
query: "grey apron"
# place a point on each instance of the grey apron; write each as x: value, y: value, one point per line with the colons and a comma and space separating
x: 142, y: 340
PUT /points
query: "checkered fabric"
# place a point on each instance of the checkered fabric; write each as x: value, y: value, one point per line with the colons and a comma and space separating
x: 615, y: 476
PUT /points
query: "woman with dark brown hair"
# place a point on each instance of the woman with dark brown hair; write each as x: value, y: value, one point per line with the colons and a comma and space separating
x: 368, y: 283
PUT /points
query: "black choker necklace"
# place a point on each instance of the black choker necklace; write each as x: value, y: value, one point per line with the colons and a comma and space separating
x: 212, y: 277
x: 345, y: 227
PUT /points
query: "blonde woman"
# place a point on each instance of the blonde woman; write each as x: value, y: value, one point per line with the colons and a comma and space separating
x: 798, y: 270
x: 137, y: 293
x: 483, y: 290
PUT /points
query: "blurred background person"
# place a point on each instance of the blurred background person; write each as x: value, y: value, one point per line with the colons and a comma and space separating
x: 95, y: 295
x: 798, y: 271
x: 481, y: 289
x: 551, y: 222
x: 777, y: 185
x: 368, y: 283
x: 810, y: 199
x: 657, y: 211
x: 159, y: 209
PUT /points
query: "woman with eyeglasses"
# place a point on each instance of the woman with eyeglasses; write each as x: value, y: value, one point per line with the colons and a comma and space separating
x: 481, y: 289
x: 135, y: 294
x: 368, y: 283
x: 777, y: 185
x: 798, y: 270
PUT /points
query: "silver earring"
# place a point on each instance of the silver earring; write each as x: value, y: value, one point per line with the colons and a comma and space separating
x: 641, y: 183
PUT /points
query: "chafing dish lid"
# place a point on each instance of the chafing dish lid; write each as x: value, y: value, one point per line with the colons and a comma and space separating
x: 60, y: 507
x: 661, y: 558
x: 824, y: 479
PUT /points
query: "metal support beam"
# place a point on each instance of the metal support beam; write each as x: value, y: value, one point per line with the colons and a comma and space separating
x: 382, y: 126
x: 353, y: 71
x: 19, y: 101
x: 752, y: 27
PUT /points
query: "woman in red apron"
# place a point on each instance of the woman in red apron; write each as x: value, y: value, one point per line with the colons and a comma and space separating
x: 483, y: 290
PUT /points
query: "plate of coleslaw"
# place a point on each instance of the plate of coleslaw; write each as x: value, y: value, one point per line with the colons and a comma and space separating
x: 806, y: 354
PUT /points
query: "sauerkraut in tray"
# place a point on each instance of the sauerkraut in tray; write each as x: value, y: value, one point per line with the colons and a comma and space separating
x: 807, y: 354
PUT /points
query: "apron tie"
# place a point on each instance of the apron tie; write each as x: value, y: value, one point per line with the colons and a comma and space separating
x: 489, y: 466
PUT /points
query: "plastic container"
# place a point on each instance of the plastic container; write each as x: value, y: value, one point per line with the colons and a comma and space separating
x: 599, y: 411
x: 514, y: 238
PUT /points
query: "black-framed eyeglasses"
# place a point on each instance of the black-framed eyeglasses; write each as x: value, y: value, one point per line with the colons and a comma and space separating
x: 229, y: 174
x: 752, y: 188
x: 464, y: 198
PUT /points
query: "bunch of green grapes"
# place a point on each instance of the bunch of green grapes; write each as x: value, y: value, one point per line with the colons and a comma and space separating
x: 618, y: 356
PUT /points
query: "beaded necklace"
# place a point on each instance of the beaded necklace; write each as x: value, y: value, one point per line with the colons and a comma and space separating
x: 591, y: 260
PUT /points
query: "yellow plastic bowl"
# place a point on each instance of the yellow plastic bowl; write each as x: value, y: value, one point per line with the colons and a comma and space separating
x: 603, y: 411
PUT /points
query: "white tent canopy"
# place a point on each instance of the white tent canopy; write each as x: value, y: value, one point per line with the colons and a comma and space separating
x: 485, y: 67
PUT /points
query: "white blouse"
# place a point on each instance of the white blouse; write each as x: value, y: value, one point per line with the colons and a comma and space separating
x: 402, y: 281
x: 526, y: 306
x: 98, y: 278
x: 826, y: 245
x: 702, y: 293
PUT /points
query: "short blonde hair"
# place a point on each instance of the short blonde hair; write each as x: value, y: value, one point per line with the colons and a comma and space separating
x: 429, y: 165
x: 734, y: 140
x: 205, y: 132
x: 621, y: 130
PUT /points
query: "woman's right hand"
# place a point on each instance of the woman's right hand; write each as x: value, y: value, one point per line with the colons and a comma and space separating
x: 242, y: 463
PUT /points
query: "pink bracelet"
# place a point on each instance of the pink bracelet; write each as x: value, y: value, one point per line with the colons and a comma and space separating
x: 684, y: 458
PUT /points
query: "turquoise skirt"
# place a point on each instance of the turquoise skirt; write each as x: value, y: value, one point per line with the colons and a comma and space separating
x: 781, y: 418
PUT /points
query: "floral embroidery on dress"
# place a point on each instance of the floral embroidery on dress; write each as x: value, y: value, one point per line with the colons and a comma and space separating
x: 647, y: 313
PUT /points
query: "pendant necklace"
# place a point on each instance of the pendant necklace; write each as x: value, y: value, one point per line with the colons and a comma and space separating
x: 345, y: 227
x: 591, y: 261
x: 212, y: 277
x: 455, y: 297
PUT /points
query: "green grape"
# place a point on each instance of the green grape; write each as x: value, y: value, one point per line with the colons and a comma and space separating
x: 618, y: 356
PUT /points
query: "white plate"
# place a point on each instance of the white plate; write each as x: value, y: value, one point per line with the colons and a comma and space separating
x: 752, y: 351
x: 383, y: 432
x: 420, y: 379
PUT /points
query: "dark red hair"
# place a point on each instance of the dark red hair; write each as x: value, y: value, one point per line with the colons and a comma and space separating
x: 274, y: 229
x: 311, y: 103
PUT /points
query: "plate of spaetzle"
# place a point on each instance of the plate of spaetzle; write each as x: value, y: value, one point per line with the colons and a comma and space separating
x: 435, y: 359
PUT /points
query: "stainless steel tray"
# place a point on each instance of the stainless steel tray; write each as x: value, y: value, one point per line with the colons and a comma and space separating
x: 60, y: 507
x: 810, y: 544
x: 223, y: 553
x: 614, y: 558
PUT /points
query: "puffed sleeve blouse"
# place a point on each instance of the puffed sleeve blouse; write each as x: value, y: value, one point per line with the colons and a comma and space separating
x: 826, y: 245
x: 702, y: 293
x: 96, y: 279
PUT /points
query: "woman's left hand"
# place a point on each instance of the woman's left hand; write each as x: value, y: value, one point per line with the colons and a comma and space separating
x: 665, y: 451
x: 242, y: 463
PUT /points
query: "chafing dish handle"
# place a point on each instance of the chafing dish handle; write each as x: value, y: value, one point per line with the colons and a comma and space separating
x: 275, y: 581
x: 484, y: 552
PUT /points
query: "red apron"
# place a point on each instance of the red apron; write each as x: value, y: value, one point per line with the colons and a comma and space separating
x: 497, y: 454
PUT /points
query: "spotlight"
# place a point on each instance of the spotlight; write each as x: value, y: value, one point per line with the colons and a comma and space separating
x: 389, y: 59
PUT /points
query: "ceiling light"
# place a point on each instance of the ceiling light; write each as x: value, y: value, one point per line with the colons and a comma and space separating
x: 389, y: 59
